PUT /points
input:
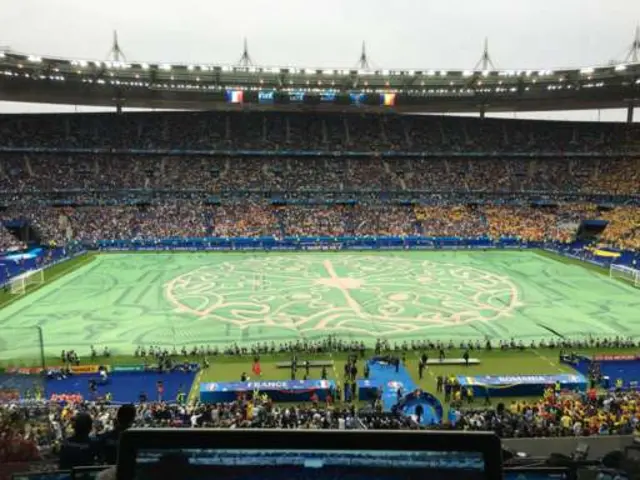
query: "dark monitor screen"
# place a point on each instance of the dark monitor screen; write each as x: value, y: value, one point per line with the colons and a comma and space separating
x: 537, y: 474
x: 275, y: 455
x: 87, y: 473
x: 59, y: 475
x: 327, y: 464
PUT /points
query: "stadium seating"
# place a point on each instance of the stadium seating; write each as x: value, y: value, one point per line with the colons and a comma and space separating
x: 77, y: 179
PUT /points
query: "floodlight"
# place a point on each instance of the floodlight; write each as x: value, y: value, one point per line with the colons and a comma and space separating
x: 620, y: 68
x: 467, y: 73
x: 587, y: 71
x: 443, y: 73
x: 166, y: 67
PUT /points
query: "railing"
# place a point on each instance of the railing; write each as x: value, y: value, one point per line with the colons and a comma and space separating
x: 321, y: 153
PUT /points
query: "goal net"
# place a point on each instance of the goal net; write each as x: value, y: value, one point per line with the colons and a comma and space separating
x: 20, y: 284
x: 624, y: 272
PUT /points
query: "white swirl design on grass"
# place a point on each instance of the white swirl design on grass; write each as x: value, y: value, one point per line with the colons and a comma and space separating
x: 359, y: 294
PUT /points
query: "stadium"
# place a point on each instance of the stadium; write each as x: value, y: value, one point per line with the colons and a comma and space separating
x: 307, y: 248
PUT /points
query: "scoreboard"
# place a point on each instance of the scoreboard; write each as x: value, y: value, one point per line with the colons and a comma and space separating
x: 275, y: 97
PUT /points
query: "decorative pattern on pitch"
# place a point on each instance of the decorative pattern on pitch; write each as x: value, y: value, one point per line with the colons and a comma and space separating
x: 358, y: 294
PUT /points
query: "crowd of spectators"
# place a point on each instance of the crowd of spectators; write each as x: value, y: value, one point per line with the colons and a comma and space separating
x: 623, y: 230
x: 190, y: 219
x: 9, y: 242
x: 583, y: 414
x: 529, y: 224
x: 451, y: 221
x: 39, y: 430
x: 49, y: 174
x: 329, y: 131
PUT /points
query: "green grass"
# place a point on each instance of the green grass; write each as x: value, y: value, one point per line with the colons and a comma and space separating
x: 68, y: 306
x: 51, y: 275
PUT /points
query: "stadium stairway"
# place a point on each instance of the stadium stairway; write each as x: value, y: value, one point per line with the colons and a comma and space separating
x: 384, y: 374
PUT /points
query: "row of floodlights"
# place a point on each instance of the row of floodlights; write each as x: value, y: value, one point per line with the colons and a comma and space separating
x: 307, y: 71
x: 185, y: 85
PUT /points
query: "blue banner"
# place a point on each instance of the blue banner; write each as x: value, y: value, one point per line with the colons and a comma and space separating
x: 277, y: 390
x: 28, y: 255
x: 521, y: 385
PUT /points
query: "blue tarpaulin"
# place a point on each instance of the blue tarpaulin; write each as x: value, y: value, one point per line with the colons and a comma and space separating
x: 521, y: 385
x: 277, y: 390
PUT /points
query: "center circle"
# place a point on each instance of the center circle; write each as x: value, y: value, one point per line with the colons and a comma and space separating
x: 358, y: 294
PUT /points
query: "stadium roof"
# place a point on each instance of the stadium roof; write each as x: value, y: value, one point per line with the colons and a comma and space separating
x: 117, y: 82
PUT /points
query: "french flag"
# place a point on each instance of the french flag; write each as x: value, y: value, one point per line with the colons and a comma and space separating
x: 235, y: 96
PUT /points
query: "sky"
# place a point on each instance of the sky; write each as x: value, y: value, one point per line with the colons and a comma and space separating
x: 419, y: 34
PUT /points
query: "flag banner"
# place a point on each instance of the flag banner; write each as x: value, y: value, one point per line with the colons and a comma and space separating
x: 277, y: 390
x: 388, y: 99
x: 235, y: 96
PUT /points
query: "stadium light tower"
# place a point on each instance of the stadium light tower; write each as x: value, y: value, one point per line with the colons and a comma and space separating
x: 245, y: 58
x: 116, y: 54
x: 633, y: 55
x: 363, y: 61
x: 485, y: 60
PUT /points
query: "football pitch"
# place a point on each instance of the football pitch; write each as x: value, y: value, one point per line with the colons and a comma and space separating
x: 125, y: 300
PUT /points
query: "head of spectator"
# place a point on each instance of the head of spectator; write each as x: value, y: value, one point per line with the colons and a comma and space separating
x: 79, y: 449
x: 108, y: 442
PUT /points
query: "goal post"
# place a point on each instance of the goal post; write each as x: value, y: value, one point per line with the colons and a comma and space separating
x: 19, y: 284
x: 631, y: 275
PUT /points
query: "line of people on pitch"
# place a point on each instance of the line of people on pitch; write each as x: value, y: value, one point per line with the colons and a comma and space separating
x: 456, y: 394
